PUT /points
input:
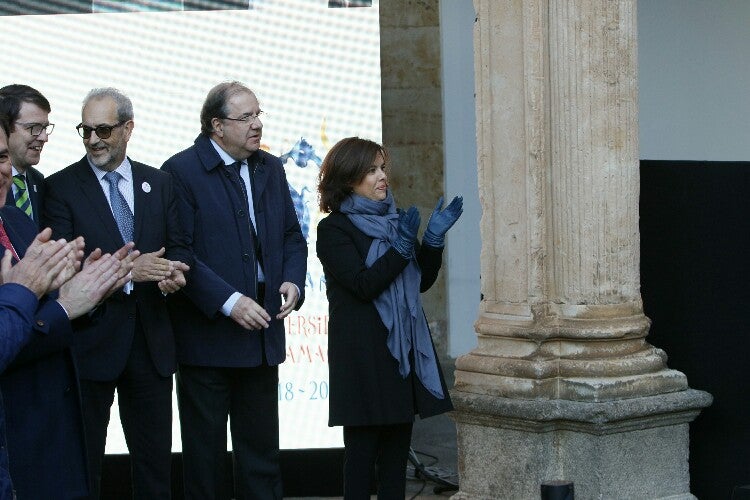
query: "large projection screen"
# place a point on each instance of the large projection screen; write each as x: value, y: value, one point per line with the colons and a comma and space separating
x: 315, y: 70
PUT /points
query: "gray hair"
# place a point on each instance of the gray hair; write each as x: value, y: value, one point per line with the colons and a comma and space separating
x: 124, y: 105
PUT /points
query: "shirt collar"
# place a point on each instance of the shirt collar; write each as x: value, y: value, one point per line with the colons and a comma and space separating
x: 125, y: 170
x: 225, y: 157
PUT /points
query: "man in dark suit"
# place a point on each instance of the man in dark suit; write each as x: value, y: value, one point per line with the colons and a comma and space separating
x: 110, y: 200
x: 28, y: 111
x: 20, y: 288
x: 40, y: 389
x: 238, y: 213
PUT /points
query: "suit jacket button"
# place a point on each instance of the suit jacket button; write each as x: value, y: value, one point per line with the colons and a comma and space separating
x: 245, y: 257
x: 240, y: 213
x: 39, y: 322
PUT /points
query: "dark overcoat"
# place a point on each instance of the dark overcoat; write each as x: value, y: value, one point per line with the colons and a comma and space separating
x: 44, y: 423
x: 216, y: 220
x: 365, y: 385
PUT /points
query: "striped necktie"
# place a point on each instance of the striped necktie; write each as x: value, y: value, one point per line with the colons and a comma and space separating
x: 22, y: 195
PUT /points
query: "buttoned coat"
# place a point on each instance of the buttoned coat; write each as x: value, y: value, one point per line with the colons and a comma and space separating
x: 44, y: 423
x: 365, y: 385
x: 76, y: 206
x: 215, y: 216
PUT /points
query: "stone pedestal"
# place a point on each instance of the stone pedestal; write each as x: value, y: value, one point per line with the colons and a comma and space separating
x: 632, y: 448
x: 563, y: 384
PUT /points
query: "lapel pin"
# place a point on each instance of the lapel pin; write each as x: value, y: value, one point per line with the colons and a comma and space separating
x: 34, y: 186
x: 146, y: 187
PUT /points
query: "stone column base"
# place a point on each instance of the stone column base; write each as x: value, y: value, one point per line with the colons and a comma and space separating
x: 625, y: 449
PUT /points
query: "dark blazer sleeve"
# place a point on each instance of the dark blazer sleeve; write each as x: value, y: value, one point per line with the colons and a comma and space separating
x: 177, y: 247
x: 430, y: 259
x: 17, y: 306
x: 57, y: 215
x: 340, y: 248
x: 37, y: 193
x: 295, y: 245
x: 52, y: 332
x: 206, y: 289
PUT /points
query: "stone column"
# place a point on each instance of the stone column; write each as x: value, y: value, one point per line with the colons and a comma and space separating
x: 563, y: 384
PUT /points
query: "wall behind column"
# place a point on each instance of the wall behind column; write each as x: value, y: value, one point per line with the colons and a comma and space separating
x: 412, y: 120
x: 694, y: 80
x: 464, y: 245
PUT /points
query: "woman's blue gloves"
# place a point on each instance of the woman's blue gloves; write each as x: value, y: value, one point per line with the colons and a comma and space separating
x: 408, y: 224
x: 442, y: 220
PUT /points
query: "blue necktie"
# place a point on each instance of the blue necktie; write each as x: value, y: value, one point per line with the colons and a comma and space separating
x: 120, y: 208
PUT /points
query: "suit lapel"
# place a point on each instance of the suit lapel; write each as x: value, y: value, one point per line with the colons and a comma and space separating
x: 91, y: 191
x: 19, y: 228
x: 10, y: 199
x: 32, y: 182
x: 259, y: 179
x: 140, y: 199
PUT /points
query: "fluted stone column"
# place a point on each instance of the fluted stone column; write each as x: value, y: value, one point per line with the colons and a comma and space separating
x: 563, y: 384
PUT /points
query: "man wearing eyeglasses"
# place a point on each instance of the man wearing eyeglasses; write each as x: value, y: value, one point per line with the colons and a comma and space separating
x: 249, y: 273
x: 28, y: 111
x: 110, y: 200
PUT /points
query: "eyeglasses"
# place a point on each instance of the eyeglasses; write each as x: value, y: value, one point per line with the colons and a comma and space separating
x: 246, y: 118
x: 102, y: 131
x: 36, y: 129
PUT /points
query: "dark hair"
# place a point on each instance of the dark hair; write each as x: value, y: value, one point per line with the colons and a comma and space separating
x: 215, y: 104
x: 13, y: 96
x: 345, y: 165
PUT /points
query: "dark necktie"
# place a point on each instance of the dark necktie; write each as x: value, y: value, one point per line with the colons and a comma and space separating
x: 22, y: 195
x: 236, y: 168
x: 120, y: 208
x: 5, y: 241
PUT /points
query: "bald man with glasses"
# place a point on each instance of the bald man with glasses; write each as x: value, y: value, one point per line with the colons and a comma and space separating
x: 28, y: 111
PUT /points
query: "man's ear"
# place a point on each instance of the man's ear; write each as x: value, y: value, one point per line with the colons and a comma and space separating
x: 218, y: 127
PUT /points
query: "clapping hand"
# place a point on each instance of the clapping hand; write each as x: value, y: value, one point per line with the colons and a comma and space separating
x: 408, y: 225
x: 441, y: 221
x: 45, y: 266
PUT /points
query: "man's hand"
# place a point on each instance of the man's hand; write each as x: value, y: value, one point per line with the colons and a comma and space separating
x: 152, y: 267
x: 125, y: 256
x: 75, y: 255
x: 291, y: 296
x: 176, y: 280
x: 249, y: 314
x: 89, y: 287
x: 39, y: 268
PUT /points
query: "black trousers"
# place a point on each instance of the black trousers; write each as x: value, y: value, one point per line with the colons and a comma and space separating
x: 206, y: 396
x: 145, y: 401
x: 380, y: 449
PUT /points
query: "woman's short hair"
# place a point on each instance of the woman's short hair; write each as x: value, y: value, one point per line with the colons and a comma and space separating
x: 345, y: 165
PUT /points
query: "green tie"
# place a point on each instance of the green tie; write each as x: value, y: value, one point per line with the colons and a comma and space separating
x: 22, y: 195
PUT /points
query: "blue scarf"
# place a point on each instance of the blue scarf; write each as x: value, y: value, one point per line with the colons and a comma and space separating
x: 400, y: 305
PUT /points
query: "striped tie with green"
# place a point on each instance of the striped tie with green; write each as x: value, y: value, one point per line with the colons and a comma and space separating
x: 22, y: 194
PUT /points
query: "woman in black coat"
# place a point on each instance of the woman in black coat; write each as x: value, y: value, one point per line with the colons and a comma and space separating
x: 383, y: 365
